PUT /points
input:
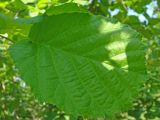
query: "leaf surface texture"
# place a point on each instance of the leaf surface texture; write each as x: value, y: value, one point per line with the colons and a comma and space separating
x: 84, y: 64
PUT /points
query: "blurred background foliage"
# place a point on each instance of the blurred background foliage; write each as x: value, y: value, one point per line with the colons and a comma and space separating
x: 16, y: 99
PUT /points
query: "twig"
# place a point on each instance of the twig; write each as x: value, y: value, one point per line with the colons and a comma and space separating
x: 123, y: 4
x: 7, y: 38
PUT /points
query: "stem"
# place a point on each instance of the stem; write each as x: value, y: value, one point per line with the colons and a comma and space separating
x: 7, y: 38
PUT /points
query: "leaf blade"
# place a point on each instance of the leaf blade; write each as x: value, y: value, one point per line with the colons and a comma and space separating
x: 78, y: 67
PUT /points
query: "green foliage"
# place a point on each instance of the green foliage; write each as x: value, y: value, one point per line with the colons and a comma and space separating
x: 146, y: 106
x: 65, y: 8
x: 12, y: 26
x: 17, y: 102
x: 83, y: 64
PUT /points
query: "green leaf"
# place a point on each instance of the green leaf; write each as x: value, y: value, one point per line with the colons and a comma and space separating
x: 29, y: 1
x: 84, y: 64
x: 22, y: 25
x: 65, y: 8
